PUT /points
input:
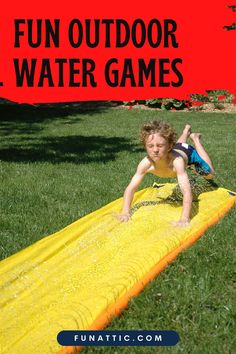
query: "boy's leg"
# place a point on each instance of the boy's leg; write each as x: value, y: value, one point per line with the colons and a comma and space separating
x: 200, y: 149
x: 185, y: 134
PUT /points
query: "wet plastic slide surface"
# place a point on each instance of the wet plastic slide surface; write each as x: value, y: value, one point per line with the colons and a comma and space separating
x: 79, y: 277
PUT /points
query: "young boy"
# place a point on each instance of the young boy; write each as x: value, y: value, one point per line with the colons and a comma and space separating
x: 168, y: 158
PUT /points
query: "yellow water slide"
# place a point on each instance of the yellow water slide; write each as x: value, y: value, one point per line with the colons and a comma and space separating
x: 81, y: 276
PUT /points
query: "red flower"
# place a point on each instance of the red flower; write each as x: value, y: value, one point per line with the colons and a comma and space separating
x: 197, y: 103
x: 222, y: 97
x: 130, y: 107
x: 234, y: 100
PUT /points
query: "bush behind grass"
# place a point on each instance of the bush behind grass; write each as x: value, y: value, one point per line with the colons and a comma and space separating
x: 56, y: 168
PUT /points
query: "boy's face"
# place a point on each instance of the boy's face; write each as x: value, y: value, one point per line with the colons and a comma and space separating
x: 157, y: 147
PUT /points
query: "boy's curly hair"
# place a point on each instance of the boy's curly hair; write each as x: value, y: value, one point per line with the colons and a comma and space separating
x: 161, y: 127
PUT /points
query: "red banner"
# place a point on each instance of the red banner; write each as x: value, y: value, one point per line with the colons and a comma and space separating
x: 77, y: 51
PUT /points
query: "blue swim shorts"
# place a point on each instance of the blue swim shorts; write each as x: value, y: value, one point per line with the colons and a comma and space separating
x: 194, y: 158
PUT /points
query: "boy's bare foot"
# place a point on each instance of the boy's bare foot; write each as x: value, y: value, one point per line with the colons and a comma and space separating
x: 195, y: 136
x: 187, y: 130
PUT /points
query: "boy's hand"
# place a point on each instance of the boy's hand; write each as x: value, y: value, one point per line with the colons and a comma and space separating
x: 181, y: 223
x: 124, y: 217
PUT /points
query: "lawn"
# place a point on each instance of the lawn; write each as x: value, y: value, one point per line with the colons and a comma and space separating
x: 59, y: 164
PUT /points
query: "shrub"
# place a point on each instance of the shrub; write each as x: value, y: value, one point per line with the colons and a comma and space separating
x: 196, y: 102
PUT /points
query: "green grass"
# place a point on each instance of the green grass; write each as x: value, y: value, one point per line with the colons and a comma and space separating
x: 57, y: 165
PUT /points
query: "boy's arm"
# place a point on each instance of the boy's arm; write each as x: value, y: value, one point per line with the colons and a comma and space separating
x: 131, y: 188
x: 185, y: 187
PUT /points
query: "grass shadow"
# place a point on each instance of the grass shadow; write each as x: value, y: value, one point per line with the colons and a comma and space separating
x: 75, y: 149
x: 21, y: 118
